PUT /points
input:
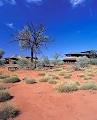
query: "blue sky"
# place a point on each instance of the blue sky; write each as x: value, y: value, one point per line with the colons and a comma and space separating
x: 72, y: 23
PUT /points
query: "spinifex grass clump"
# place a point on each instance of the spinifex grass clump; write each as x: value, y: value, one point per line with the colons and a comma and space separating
x: 54, y: 76
x: 4, y: 95
x: 41, y: 74
x: 67, y: 87
x: 12, y: 79
x: 3, y: 76
x: 67, y: 75
x: 90, y: 85
x: 30, y: 80
x: 46, y: 78
x: 86, y: 77
x: 81, y: 75
x: 2, y: 87
x: 62, y: 73
x: 52, y: 81
x: 8, y: 111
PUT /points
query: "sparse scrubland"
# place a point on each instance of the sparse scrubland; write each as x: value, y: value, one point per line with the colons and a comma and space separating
x: 64, y: 78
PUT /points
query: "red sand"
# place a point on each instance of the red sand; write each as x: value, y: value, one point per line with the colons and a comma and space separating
x: 41, y: 102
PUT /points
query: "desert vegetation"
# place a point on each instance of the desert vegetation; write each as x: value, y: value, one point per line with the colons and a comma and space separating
x: 57, y: 76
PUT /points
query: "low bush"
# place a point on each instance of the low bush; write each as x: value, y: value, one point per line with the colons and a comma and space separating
x: 3, y: 76
x: 52, y: 81
x: 60, y: 87
x: 12, y: 79
x: 46, y: 78
x: 81, y: 75
x: 86, y: 77
x: 93, y: 61
x: 67, y: 87
x: 2, y: 62
x: 2, y: 87
x: 54, y: 77
x: 41, y: 74
x: 89, y: 86
x: 61, y: 73
x: 67, y: 76
x: 7, y: 111
x: 29, y: 80
x: 82, y: 62
x: 4, y: 95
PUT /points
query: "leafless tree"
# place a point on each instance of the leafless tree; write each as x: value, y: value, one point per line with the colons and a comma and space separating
x: 33, y: 38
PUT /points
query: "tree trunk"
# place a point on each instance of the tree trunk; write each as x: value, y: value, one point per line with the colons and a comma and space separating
x: 32, y: 55
x: 35, y: 61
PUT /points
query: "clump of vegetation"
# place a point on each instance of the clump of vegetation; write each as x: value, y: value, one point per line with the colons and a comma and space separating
x: 4, y: 95
x: 82, y: 62
x: 46, y: 78
x: 89, y: 86
x: 12, y: 79
x: 61, y: 73
x: 93, y: 61
x: 54, y: 77
x: 70, y: 69
x: 60, y: 87
x: 67, y: 76
x: 67, y: 87
x: 52, y: 81
x: 81, y: 75
x: 8, y: 111
x: 30, y: 80
x: 41, y: 74
x: 57, y: 69
x: 90, y: 74
x: 24, y: 63
x: 2, y: 76
x: 86, y: 77
x: 2, y: 87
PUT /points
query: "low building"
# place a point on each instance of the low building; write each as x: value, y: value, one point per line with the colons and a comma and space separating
x: 14, y: 59
x: 72, y: 57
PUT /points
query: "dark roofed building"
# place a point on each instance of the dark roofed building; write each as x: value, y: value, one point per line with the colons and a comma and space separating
x: 72, y: 57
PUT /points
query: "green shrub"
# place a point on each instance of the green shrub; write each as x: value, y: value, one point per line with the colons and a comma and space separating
x: 7, y: 111
x: 89, y: 86
x: 93, y: 61
x: 82, y: 62
x: 2, y: 62
x: 67, y: 87
x: 4, y: 95
x: 12, y: 79
x: 29, y: 80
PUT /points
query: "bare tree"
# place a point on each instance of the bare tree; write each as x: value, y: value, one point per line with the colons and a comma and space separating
x: 33, y: 38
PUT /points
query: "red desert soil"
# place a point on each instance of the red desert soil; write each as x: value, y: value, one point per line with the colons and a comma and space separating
x: 41, y: 102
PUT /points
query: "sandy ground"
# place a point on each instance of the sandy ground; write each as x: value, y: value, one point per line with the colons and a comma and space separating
x: 41, y: 102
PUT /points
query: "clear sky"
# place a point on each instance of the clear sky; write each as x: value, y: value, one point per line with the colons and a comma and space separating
x: 72, y: 23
